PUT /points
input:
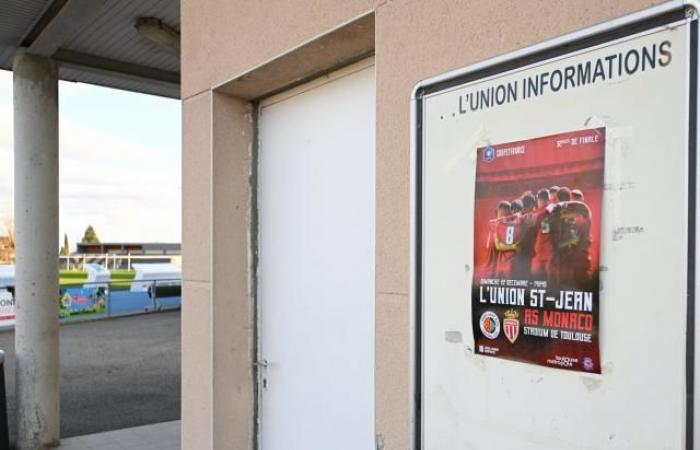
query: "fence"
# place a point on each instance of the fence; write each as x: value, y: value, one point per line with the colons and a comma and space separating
x: 119, y: 297
x: 113, y: 261
x: 91, y: 300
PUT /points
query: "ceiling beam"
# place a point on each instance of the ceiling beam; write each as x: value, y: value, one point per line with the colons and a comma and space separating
x: 98, y: 64
x: 47, y: 16
x: 62, y: 20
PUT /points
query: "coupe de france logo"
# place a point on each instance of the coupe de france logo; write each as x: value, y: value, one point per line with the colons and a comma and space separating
x: 489, y: 154
x: 511, y: 325
x: 490, y: 325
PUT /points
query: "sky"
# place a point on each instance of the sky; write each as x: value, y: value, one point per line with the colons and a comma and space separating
x: 119, y: 156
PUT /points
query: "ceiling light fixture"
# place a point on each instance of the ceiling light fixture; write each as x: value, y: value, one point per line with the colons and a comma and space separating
x: 161, y: 34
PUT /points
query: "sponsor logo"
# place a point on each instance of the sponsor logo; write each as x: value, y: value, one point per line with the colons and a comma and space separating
x: 489, y: 154
x: 490, y: 325
x: 562, y: 361
x: 511, y: 325
x: 588, y: 363
x: 487, y: 350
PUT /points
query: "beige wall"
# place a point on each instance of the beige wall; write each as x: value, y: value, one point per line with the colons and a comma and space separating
x: 218, y: 310
x: 414, y: 40
x: 224, y: 38
x: 196, y: 249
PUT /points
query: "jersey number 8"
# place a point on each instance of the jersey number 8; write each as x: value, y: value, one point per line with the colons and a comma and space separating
x: 510, y: 232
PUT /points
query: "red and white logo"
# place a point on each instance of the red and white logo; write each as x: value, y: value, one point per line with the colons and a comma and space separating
x: 511, y: 325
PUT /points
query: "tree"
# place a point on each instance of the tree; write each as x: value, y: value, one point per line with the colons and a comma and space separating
x: 65, y: 250
x: 7, y: 240
x: 90, y: 236
x: 9, y: 225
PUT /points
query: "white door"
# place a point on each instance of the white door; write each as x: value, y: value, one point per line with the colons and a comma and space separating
x: 316, y: 270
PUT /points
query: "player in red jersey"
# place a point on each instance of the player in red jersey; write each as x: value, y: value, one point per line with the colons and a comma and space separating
x: 516, y: 206
x: 553, y: 194
x: 502, y: 211
x: 563, y: 194
x: 542, y: 266
x: 528, y: 235
x: 507, y: 235
x: 529, y: 201
x: 574, y: 239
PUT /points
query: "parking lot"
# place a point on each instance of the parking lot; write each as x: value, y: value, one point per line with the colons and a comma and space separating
x: 115, y: 373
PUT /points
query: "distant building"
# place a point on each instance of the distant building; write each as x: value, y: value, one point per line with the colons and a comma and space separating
x: 128, y: 248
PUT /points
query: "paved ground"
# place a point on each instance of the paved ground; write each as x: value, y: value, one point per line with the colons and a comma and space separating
x: 116, y: 373
x: 161, y: 436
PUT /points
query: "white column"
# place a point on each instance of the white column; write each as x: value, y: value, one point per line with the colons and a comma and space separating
x: 37, y: 240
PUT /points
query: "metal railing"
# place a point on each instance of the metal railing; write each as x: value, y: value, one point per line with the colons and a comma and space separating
x: 98, y: 299
x: 115, y: 261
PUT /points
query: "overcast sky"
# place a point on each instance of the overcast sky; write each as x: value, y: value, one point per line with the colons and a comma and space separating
x: 119, y: 163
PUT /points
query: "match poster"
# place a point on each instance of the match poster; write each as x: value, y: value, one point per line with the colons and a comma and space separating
x: 535, y: 295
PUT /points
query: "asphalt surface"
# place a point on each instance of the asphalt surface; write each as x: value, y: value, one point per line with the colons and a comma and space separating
x: 115, y: 373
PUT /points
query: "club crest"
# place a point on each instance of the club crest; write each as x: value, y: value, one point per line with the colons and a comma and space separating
x: 490, y: 325
x: 511, y: 325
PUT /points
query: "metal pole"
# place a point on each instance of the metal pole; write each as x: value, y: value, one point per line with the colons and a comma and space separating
x: 153, y: 298
x: 109, y: 299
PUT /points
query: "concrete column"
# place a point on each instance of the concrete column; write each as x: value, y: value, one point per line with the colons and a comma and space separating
x: 36, y: 228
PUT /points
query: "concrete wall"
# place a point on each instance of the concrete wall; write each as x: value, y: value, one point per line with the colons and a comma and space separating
x: 223, y: 39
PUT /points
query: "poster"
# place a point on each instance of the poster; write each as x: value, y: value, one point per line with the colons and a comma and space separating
x: 535, y: 295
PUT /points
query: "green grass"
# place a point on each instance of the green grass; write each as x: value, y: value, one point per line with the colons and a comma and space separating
x: 69, y: 277
x: 121, y: 279
x: 123, y: 275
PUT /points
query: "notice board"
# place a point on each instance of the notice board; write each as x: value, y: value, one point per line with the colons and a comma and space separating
x: 554, y: 243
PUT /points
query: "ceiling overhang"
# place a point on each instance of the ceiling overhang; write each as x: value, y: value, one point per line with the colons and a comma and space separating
x: 97, y: 41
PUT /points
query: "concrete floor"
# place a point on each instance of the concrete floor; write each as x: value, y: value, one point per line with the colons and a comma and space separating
x: 116, y: 373
x: 160, y: 436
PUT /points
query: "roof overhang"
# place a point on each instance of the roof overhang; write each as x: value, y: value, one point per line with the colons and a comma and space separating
x: 123, y: 44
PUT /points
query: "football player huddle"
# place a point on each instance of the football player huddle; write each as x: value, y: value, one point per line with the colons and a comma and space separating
x: 542, y: 236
